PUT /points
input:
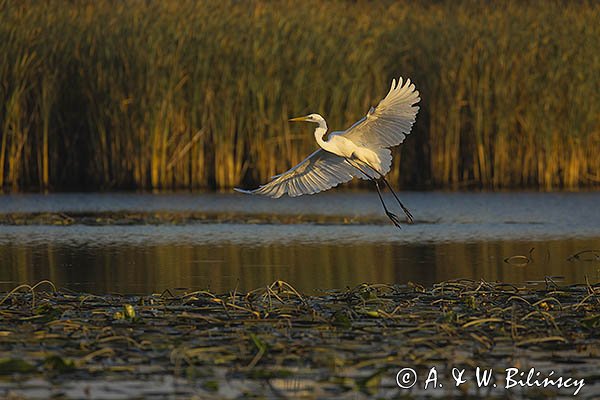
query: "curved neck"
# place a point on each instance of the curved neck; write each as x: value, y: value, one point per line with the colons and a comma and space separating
x: 320, y: 132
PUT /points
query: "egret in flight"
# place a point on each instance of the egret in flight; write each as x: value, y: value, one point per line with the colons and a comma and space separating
x: 361, y: 151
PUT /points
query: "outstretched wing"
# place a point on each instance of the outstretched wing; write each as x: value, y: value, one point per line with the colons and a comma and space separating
x: 319, y: 171
x: 388, y: 124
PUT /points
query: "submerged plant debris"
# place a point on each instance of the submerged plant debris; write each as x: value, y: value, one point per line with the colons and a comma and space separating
x: 100, y: 218
x: 277, y: 342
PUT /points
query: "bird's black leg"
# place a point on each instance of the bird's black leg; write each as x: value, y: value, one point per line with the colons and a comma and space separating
x: 408, y: 214
x: 393, y: 217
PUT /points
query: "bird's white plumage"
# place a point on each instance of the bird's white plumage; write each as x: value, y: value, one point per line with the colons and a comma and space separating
x: 384, y: 126
x: 319, y: 171
x: 388, y: 124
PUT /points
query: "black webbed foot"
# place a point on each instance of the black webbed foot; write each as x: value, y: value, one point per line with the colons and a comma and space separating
x: 394, y: 218
x: 409, y: 217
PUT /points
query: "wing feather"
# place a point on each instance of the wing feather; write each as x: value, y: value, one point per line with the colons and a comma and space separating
x: 388, y: 124
x: 319, y: 171
x: 384, y: 126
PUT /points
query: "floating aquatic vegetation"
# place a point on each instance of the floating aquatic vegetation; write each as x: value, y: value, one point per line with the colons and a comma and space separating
x: 276, y: 341
x: 168, y: 217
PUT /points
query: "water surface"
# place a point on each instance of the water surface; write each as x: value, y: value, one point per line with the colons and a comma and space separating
x: 456, y: 235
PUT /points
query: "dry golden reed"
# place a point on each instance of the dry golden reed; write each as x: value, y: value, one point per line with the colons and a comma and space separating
x: 187, y: 94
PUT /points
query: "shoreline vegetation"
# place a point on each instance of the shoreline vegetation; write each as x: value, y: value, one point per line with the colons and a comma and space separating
x: 191, y: 95
x: 105, y: 218
x: 277, y: 342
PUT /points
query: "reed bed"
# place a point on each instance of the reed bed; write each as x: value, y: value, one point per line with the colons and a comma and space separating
x: 187, y: 94
x: 277, y: 342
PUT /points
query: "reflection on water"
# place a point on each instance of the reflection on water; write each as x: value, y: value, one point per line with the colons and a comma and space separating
x: 152, y: 268
x: 466, y: 236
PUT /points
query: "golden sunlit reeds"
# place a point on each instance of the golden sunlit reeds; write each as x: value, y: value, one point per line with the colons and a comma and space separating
x: 185, y: 94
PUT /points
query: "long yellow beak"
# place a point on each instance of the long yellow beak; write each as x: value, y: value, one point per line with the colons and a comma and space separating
x: 298, y: 119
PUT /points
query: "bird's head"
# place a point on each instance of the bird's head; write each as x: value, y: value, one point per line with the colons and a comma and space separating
x: 316, y: 118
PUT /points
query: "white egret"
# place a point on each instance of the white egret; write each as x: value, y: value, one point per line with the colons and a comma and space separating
x: 360, y: 151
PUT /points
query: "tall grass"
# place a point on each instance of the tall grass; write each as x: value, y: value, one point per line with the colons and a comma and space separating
x: 186, y: 94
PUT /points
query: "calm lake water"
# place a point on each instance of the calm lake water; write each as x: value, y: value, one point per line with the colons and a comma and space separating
x: 456, y: 235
